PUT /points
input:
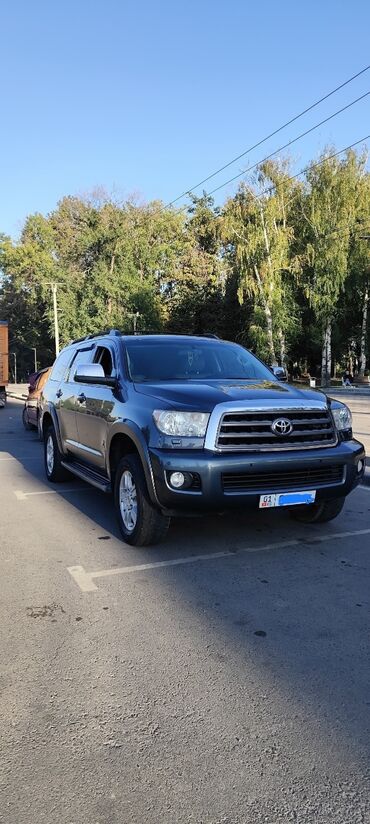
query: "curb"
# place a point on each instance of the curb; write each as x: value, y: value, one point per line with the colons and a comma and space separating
x: 339, y: 390
x: 16, y: 397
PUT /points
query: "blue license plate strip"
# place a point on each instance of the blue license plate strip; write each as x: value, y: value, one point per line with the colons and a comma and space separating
x: 287, y: 499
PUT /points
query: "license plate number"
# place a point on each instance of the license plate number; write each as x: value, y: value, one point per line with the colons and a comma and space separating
x: 287, y: 499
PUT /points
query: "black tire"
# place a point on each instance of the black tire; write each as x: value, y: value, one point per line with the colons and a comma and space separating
x: 148, y: 525
x: 27, y: 425
x: 54, y: 470
x: 319, y: 513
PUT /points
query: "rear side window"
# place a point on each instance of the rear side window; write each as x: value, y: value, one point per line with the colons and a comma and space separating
x: 61, y: 364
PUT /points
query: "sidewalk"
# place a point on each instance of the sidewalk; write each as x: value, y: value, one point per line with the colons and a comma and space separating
x: 17, y: 390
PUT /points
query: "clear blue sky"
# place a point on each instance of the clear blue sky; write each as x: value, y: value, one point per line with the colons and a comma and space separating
x: 150, y: 97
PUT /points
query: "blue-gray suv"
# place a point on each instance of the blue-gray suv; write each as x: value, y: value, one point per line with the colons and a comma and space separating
x: 175, y: 424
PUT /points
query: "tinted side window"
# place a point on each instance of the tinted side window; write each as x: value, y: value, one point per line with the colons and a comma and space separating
x: 61, y: 364
x: 81, y: 356
x: 103, y: 356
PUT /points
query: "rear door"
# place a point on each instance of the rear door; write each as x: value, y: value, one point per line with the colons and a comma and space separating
x: 94, y: 410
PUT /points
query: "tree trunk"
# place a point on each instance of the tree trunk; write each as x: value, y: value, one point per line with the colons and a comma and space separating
x: 282, y: 347
x: 268, y: 316
x: 270, y: 337
x: 365, y: 307
x: 326, y: 356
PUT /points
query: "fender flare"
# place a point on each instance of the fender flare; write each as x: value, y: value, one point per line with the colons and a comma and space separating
x: 135, y: 434
x: 49, y: 409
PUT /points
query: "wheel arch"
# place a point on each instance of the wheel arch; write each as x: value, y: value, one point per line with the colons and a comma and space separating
x: 127, y: 441
x: 50, y: 418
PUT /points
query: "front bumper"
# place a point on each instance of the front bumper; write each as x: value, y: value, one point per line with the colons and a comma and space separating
x: 211, y: 466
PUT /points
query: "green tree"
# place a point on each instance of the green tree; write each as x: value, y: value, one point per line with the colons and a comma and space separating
x: 328, y: 211
x: 258, y: 235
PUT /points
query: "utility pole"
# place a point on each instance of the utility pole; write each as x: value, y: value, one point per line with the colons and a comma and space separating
x: 54, y: 287
x: 35, y: 356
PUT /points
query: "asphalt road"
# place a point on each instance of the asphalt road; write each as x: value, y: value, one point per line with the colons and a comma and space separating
x: 168, y: 689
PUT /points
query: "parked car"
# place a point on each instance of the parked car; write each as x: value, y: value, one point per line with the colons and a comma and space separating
x: 31, y: 409
x: 178, y: 424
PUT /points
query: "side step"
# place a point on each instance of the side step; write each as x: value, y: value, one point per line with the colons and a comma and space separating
x: 86, y: 474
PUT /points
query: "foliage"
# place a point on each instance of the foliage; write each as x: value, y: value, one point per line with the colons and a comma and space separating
x: 280, y: 266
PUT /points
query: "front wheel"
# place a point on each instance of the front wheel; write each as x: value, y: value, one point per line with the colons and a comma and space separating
x: 54, y: 470
x: 141, y: 524
x: 319, y: 513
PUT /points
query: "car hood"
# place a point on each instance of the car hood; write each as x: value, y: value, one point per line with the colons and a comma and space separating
x: 204, y: 395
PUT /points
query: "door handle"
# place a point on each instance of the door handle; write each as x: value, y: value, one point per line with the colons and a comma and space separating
x: 59, y: 393
x: 81, y: 398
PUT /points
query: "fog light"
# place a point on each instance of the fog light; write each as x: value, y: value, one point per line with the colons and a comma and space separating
x: 177, y: 479
x: 360, y: 467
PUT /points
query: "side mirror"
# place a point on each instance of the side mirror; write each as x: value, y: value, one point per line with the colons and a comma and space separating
x: 93, y: 373
x: 279, y: 373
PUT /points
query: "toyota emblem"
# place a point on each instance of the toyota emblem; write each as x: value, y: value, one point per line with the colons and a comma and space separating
x: 282, y: 426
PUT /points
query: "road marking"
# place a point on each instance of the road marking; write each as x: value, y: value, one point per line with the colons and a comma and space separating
x: 85, y: 580
x: 21, y: 458
x: 22, y: 496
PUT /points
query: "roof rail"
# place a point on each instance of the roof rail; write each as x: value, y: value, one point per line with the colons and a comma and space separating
x: 101, y: 334
x: 173, y: 334
x: 117, y: 333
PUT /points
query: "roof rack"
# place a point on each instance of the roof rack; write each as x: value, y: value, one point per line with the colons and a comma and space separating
x: 173, y: 334
x: 117, y: 333
x: 101, y: 334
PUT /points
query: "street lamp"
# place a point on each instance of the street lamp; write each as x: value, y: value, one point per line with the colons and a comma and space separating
x: 15, y: 366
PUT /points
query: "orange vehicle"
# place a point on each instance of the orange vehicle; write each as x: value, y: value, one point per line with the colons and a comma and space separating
x: 30, y: 415
x: 4, y: 361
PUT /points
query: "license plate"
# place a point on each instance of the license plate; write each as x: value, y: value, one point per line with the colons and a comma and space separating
x: 287, y: 499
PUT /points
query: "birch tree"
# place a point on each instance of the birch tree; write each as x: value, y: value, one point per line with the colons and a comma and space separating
x: 258, y: 235
x: 328, y: 209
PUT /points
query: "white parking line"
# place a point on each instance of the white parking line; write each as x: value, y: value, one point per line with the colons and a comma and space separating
x: 22, y: 496
x: 21, y: 458
x: 85, y: 580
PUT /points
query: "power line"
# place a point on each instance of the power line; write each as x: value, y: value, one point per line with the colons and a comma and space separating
x: 315, y: 165
x: 290, y: 177
x: 290, y: 143
x: 272, y: 134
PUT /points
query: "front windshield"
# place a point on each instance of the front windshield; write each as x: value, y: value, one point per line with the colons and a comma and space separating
x: 188, y: 360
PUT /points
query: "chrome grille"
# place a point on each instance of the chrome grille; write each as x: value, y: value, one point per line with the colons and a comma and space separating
x: 251, y: 430
x: 290, y: 479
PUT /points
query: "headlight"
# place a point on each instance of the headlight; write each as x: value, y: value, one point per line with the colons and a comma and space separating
x: 186, y: 424
x: 342, y: 417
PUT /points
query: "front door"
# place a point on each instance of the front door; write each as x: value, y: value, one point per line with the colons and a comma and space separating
x: 94, y: 411
x: 70, y: 403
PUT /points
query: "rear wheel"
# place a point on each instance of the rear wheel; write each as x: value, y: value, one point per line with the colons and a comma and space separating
x: 27, y: 425
x: 55, y: 472
x: 141, y: 524
x: 318, y: 513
